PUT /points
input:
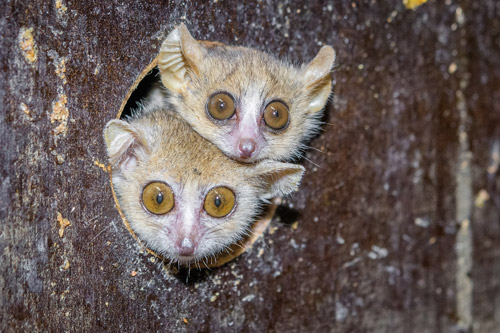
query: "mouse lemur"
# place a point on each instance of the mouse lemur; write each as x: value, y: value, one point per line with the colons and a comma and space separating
x: 251, y: 105
x: 180, y: 194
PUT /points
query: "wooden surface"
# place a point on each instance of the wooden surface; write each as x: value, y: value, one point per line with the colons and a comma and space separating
x: 397, y: 224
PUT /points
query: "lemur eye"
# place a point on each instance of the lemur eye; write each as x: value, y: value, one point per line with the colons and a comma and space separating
x: 158, y: 198
x: 219, y: 202
x: 221, y: 106
x: 276, y: 115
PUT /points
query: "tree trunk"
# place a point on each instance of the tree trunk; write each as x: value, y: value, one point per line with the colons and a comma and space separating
x: 396, y: 227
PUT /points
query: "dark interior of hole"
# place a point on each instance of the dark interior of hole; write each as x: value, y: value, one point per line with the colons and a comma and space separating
x: 193, y: 274
x: 141, y: 92
x: 286, y: 215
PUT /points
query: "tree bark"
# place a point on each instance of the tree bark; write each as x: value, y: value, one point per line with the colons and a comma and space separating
x: 395, y: 227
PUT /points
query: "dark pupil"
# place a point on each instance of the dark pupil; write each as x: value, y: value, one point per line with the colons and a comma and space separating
x: 217, y: 201
x: 159, y: 198
x: 221, y: 105
x: 276, y: 113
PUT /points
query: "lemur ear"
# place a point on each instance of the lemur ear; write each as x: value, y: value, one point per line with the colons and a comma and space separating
x: 123, y: 144
x: 277, y: 178
x: 316, y: 77
x: 179, y: 54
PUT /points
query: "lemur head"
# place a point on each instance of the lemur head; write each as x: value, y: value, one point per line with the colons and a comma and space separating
x: 248, y: 103
x: 180, y: 194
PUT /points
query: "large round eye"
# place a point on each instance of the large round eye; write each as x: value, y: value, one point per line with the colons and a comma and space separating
x: 276, y: 115
x: 219, y: 202
x: 158, y: 198
x: 221, y: 106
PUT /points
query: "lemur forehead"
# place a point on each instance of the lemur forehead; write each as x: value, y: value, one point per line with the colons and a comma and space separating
x: 244, y: 58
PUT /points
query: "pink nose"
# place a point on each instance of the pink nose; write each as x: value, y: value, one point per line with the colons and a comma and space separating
x: 246, y: 147
x: 185, y: 247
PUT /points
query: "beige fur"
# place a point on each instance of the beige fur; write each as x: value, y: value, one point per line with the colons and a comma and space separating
x: 193, y: 71
x: 156, y: 145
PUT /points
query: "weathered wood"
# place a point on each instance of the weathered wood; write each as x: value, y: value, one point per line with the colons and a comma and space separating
x: 396, y: 230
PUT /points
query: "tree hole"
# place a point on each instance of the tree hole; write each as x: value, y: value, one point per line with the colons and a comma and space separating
x: 136, y: 94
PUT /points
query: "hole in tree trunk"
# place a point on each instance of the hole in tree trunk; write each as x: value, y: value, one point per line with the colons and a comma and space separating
x: 136, y: 95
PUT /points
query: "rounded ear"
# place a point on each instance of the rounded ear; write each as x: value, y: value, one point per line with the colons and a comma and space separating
x: 122, y: 144
x: 319, y: 67
x: 277, y: 178
x: 316, y: 76
x: 191, y: 49
x: 178, y: 53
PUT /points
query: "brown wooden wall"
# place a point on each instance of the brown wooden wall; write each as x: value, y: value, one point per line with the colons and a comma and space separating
x: 397, y: 225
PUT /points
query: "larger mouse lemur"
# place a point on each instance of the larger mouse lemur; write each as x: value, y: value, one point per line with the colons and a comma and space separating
x: 180, y: 194
x: 248, y: 103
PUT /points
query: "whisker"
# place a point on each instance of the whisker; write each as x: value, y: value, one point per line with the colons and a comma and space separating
x: 314, y: 148
x: 100, y: 232
x: 243, y: 247
x: 265, y: 245
x: 228, y: 249
x: 91, y: 220
x: 205, y: 262
x: 250, y: 231
x: 317, y: 165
